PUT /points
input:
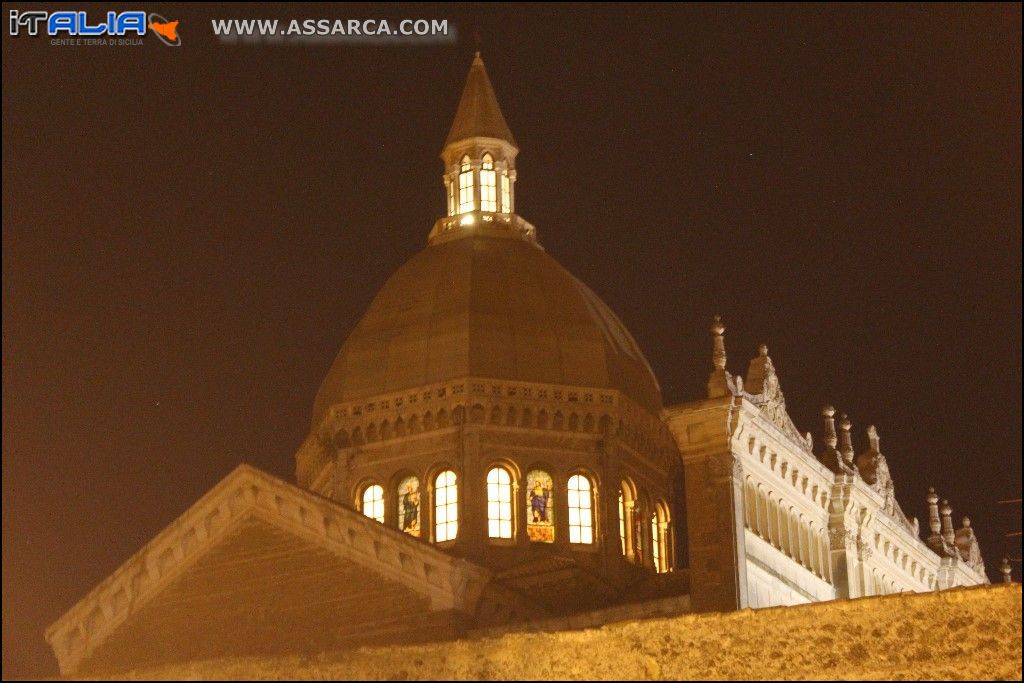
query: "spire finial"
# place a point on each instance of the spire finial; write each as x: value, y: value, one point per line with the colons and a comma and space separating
x: 934, y: 524
x: 873, y: 439
x: 762, y: 350
x: 847, y: 439
x: 828, y: 412
x: 948, y: 534
x: 718, y: 355
x: 1006, y: 570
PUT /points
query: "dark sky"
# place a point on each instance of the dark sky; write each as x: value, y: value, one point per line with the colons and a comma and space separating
x: 189, y: 235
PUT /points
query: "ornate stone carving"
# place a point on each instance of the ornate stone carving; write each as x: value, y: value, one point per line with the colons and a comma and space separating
x: 839, y: 538
x: 763, y: 389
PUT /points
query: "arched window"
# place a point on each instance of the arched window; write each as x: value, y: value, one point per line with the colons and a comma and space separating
x: 506, y: 193
x: 581, y: 510
x: 451, y: 198
x: 499, y: 503
x: 488, y: 185
x: 655, y: 543
x: 660, y: 538
x: 409, y: 505
x: 446, y: 507
x: 466, y: 198
x: 373, y: 502
x: 622, y: 522
x: 540, y: 522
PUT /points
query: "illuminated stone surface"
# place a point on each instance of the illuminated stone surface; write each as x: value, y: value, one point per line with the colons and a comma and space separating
x: 972, y: 633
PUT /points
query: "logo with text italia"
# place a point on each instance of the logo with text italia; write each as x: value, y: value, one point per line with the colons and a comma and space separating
x: 73, y: 24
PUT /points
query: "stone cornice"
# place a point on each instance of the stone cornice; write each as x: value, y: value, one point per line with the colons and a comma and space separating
x: 449, y: 582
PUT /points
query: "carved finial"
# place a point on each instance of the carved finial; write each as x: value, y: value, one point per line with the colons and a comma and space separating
x: 1006, y: 570
x: 762, y: 350
x: 718, y: 355
x: 967, y: 522
x: 873, y: 439
x: 934, y: 524
x: 948, y: 534
x: 846, y: 440
x: 828, y: 412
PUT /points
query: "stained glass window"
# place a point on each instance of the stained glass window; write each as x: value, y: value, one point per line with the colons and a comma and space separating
x: 499, y: 503
x: 373, y: 502
x: 446, y: 507
x: 409, y: 506
x: 540, y: 519
x: 581, y: 513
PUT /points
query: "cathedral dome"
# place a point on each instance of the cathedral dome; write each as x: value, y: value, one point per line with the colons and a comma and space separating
x: 487, y: 307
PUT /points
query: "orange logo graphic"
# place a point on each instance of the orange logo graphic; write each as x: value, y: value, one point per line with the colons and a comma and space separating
x: 168, y: 30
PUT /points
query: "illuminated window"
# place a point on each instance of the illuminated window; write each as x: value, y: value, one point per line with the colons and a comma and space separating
x: 540, y: 526
x: 446, y: 507
x: 465, y: 186
x: 451, y: 198
x: 655, y: 543
x: 488, y: 186
x: 499, y: 503
x: 373, y: 502
x: 622, y: 522
x: 409, y: 506
x: 506, y: 193
x: 581, y: 512
x: 660, y: 522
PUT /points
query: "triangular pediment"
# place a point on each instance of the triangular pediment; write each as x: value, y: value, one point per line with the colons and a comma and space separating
x: 289, y: 548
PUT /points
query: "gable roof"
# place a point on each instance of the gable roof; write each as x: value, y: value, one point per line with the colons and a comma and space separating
x: 448, y: 582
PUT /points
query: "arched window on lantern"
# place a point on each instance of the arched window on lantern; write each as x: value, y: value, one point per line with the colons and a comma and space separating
x: 506, y: 193
x: 488, y: 185
x: 499, y: 503
x: 446, y: 507
x: 580, y: 497
x: 466, y: 198
x: 451, y: 196
x: 372, y: 502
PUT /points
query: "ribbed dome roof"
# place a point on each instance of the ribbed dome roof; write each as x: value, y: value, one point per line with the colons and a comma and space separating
x: 488, y: 307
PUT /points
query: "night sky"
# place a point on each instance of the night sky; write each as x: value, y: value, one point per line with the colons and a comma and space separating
x: 189, y: 235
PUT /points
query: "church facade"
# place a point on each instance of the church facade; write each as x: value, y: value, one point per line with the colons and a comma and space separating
x: 489, y: 450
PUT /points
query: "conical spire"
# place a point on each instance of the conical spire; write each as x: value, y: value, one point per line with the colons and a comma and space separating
x: 479, y: 115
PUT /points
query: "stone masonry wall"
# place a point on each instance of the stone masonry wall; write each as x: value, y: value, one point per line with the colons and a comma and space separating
x: 956, y: 634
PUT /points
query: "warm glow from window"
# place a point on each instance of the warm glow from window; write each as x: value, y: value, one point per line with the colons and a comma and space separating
x: 451, y: 198
x: 488, y: 186
x: 506, y: 193
x: 373, y: 503
x: 655, y: 543
x: 581, y: 512
x: 409, y: 506
x: 540, y: 525
x: 446, y: 507
x: 622, y: 522
x: 466, y: 186
x: 499, y: 503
